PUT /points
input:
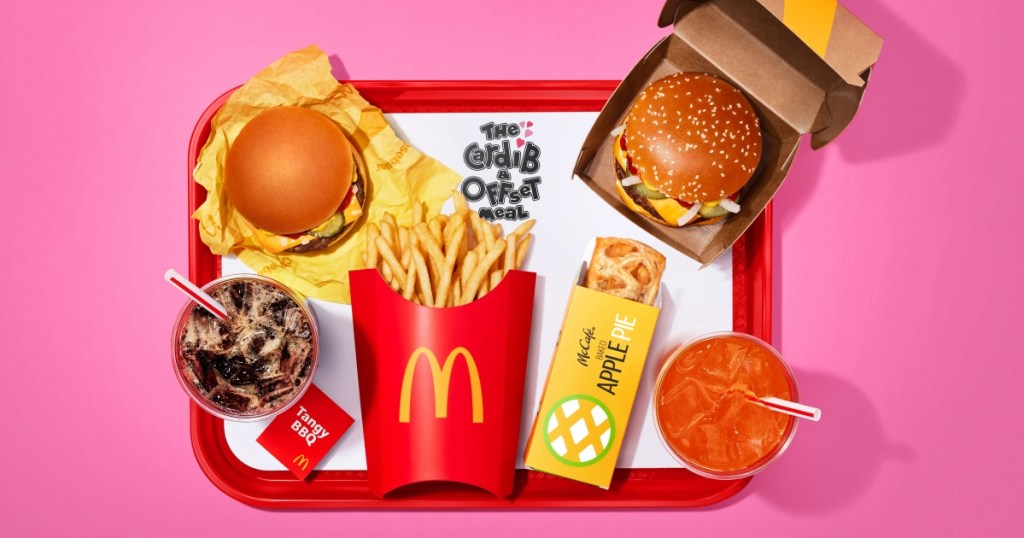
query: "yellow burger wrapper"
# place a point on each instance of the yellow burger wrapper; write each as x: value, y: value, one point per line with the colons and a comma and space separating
x: 399, y: 175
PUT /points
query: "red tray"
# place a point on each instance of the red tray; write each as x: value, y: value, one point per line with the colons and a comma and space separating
x: 348, y: 489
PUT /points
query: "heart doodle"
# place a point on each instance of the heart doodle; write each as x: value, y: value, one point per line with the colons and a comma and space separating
x: 522, y: 124
x: 520, y: 142
x: 527, y: 133
x: 528, y: 124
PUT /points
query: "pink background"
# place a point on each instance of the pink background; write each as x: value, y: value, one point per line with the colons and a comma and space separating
x: 898, y: 289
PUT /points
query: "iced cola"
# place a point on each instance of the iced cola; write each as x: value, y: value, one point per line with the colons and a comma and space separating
x: 257, y: 362
x: 706, y: 409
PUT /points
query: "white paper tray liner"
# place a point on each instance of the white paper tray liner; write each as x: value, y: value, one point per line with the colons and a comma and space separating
x: 568, y: 215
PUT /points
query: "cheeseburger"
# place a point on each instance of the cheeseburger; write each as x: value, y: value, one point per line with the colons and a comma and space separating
x: 689, y: 144
x: 296, y: 179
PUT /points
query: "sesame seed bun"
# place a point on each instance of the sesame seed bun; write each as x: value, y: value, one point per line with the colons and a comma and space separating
x: 694, y: 137
x: 288, y: 170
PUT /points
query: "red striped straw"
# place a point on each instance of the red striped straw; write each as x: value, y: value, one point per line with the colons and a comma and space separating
x: 789, y: 408
x: 202, y: 298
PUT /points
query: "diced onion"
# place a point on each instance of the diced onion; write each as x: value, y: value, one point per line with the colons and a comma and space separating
x: 619, y: 130
x: 688, y: 216
x: 729, y: 205
x: 630, y: 181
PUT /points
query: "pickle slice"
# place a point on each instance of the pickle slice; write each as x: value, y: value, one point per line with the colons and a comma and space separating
x: 648, y: 192
x: 330, y: 228
x: 710, y: 212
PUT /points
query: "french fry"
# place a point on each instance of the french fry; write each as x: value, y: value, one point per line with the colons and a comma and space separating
x: 524, y: 245
x: 435, y: 229
x: 403, y: 238
x: 489, y: 235
x: 391, y: 261
x: 478, y: 275
x: 431, y: 247
x: 464, y: 246
x: 387, y: 231
x: 449, y: 267
x: 410, y: 280
x: 406, y: 259
x: 510, y: 253
x: 392, y: 231
x: 452, y: 224
x: 478, y: 229
x: 468, y: 265
x: 424, y: 278
x: 372, y: 258
x: 524, y: 228
x: 445, y: 260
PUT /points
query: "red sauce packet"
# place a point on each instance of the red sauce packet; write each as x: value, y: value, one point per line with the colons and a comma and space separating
x: 302, y: 435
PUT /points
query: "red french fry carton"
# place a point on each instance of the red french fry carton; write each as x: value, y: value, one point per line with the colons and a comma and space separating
x: 441, y: 389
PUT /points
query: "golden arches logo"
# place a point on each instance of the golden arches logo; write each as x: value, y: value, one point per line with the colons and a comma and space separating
x: 441, y: 377
x: 301, y: 461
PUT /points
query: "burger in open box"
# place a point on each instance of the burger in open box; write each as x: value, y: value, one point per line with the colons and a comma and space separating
x: 689, y: 144
x: 802, y: 67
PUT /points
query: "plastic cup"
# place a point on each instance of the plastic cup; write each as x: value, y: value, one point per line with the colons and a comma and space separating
x: 668, y: 380
x: 202, y: 400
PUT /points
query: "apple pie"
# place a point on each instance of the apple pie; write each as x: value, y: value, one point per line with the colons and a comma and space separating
x: 625, y: 268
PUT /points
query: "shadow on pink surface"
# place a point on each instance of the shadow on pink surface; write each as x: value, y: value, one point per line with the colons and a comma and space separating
x: 912, y: 104
x: 338, y: 67
x: 915, y: 95
x: 833, y: 462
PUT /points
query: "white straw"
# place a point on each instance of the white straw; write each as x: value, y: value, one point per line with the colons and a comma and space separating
x: 790, y: 408
x: 193, y: 292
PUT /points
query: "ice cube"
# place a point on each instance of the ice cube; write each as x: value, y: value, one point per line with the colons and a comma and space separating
x: 295, y: 359
x: 230, y: 400
x: 274, y: 387
x: 202, y: 376
x: 247, y: 374
x: 729, y: 408
x: 717, y: 445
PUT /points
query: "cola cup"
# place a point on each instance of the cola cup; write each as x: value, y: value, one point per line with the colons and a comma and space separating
x: 259, y: 362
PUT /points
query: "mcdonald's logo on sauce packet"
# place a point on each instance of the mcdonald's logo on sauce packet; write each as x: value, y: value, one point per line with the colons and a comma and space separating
x: 305, y: 432
x: 441, y: 389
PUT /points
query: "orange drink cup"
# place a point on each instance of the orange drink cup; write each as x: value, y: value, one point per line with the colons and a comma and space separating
x: 706, y: 410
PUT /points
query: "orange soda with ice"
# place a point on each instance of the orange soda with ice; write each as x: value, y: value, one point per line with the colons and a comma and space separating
x: 706, y: 410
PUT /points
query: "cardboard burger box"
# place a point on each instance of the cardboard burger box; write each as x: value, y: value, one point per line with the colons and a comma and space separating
x: 803, y: 64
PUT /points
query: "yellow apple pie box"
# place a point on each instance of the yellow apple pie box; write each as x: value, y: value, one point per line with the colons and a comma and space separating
x: 593, y: 380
